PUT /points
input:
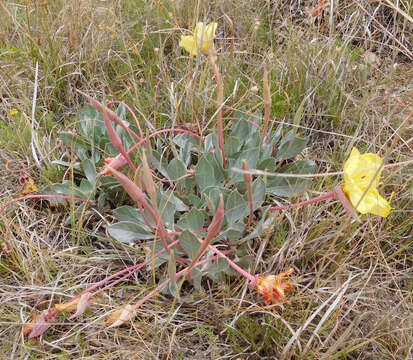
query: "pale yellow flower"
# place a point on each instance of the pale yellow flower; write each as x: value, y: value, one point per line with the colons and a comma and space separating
x: 359, y: 172
x: 202, y: 39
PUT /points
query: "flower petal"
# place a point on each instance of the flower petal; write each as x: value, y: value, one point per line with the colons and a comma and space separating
x: 372, y: 202
x: 189, y: 44
x: 360, y: 170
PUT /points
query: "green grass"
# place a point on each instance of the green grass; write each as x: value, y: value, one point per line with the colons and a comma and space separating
x: 129, y: 51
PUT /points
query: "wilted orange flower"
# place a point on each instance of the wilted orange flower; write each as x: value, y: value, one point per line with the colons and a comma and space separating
x: 273, y: 288
x: 107, y: 162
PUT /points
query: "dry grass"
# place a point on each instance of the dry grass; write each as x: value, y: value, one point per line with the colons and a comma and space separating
x: 353, y: 297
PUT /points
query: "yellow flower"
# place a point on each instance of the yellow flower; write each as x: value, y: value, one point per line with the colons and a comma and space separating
x: 202, y: 39
x: 359, y: 172
x: 14, y: 112
x: 273, y: 288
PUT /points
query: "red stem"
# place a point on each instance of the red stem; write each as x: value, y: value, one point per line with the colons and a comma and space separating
x: 67, y: 197
x: 120, y: 160
x: 131, y: 270
x: 166, y: 282
x: 109, y: 103
x: 307, y: 202
x: 244, y: 273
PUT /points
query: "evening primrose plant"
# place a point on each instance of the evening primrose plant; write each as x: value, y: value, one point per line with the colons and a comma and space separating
x: 195, y: 200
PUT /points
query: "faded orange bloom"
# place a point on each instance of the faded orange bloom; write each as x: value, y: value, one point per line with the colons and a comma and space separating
x: 107, y: 162
x: 273, y: 288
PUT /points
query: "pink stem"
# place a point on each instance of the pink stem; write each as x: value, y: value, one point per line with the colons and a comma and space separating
x: 131, y: 270
x: 166, y: 282
x: 244, y: 273
x: 67, y: 197
x: 307, y: 202
x: 109, y: 103
x: 120, y: 160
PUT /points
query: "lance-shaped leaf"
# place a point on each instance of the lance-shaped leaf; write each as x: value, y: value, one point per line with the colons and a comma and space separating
x: 112, y: 115
x: 136, y: 194
x: 39, y: 324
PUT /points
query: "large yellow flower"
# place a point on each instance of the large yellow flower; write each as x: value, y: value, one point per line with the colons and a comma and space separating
x: 202, y: 39
x: 359, y: 172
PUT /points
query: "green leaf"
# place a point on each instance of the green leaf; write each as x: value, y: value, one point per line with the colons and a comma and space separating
x: 291, y: 144
x: 236, y: 208
x: 193, y: 220
x: 258, y: 193
x: 233, y: 232
x: 89, y: 169
x: 189, y: 243
x: 253, y: 140
x: 131, y: 214
x: 173, y: 287
x: 121, y: 112
x: 160, y: 163
x: 267, y: 164
x: 214, y: 193
x: 251, y: 156
x: 258, y: 229
x: 215, y: 159
x: 167, y: 209
x: 176, y: 169
x: 70, y: 139
x: 276, y: 135
x: 65, y: 188
x: 194, y: 200
x: 182, y: 139
x: 101, y: 202
x: 241, y: 129
x: 161, y: 259
x: 231, y: 146
x: 204, y: 174
x: 284, y: 186
x: 196, y: 277
x: 217, y: 270
x: 127, y: 232
x: 86, y: 188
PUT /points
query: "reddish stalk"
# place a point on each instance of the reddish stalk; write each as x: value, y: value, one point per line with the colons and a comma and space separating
x: 220, y: 102
x: 166, y: 282
x: 115, y: 138
x: 66, y: 197
x: 307, y: 202
x: 244, y: 273
x: 138, y: 196
x: 120, y: 160
x: 110, y: 103
x: 213, y: 230
x: 101, y: 108
x: 130, y: 270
